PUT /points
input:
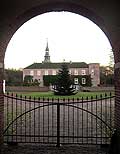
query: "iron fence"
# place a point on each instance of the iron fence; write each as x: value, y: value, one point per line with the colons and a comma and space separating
x: 58, y: 121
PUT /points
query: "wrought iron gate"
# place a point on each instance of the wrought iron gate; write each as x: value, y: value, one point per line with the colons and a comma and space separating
x: 66, y: 121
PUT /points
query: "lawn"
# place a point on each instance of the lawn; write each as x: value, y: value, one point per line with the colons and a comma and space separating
x: 78, y: 95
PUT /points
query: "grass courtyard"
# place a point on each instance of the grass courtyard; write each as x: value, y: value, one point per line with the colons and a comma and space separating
x: 79, y: 95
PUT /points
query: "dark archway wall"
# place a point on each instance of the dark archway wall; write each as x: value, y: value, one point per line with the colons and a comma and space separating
x: 13, y: 13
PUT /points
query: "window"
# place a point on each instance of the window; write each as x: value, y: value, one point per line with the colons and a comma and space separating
x: 75, y: 72
x: 54, y: 72
x: 75, y: 80
x: 83, y: 80
x: 46, y: 72
x: 83, y: 72
x: 70, y: 72
x: 38, y: 73
x: 92, y: 72
x: 31, y: 72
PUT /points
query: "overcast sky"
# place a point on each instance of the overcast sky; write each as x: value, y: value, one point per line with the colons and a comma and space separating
x: 70, y: 36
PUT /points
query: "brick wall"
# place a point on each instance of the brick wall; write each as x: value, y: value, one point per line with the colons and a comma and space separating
x: 116, y: 49
x: 1, y: 112
x: 117, y: 99
x: 26, y: 89
x: 5, y: 35
x: 14, y: 14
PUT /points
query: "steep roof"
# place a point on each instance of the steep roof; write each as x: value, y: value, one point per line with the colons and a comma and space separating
x: 56, y: 65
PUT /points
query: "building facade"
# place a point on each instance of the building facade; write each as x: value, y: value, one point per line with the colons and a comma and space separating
x: 39, y: 70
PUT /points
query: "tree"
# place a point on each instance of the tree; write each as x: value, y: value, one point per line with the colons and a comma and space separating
x: 111, y: 61
x: 106, y: 76
x: 36, y: 82
x: 28, y: 80
x: 49, y: 80
x: 13, y: 77
x: 64, y: 84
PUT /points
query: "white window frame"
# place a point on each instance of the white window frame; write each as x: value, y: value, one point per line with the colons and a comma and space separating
x: 75, y: 72
x: 92, y: 72
x: 76, y: 81
x: 83, y: 80
x: 46, y: 72
x: 31, y: 72
x: 54, y: 72
x: 38, y: 72
x: 70, y: 71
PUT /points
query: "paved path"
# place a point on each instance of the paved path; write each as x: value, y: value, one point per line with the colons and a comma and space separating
x: 37, y: 149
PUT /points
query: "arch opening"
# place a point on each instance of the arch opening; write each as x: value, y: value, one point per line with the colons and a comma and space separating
x: 71, y: 38
x: 66, y: 6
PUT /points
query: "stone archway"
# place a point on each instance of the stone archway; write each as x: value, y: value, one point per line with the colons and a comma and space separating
x: 105, y: 15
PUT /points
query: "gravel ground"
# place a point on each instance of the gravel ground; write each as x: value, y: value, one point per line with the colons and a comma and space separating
x: 39, y: 149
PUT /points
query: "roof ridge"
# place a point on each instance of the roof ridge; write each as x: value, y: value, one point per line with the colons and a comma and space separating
x: 56, y: 65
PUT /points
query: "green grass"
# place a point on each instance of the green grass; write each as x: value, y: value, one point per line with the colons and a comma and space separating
x: 78, y: 95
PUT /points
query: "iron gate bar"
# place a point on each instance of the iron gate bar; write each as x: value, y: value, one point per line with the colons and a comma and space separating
x: 87, y: 119
x: 110, y: 113
x: 77, y: 120
x: 58, y: 111
x: 96, y: 118
x: 105, y: 118
x: 21, y: 113
x: 7, y: 117
x: 63, y: 120
x: 39, y: 122
x: 91, y: 118
x: 69, y: 104
x: 60, y: 103
x: 68, y: 120
x: 101, y: 116
x: 25, y: 119
x: 16, y: 119
x: 73, y: 121
x: 12, y: 116
x: 52, y: 119
x: 43, y: 119
x: 24, y: 114
x: 30, y: 118
x: 75, y: 100
x: 58, y: 124
x: 91, y: 114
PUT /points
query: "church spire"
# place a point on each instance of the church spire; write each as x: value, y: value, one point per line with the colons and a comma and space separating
x: 47, y: 48
x: 47, y: 56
